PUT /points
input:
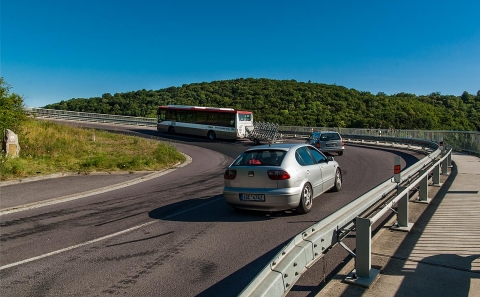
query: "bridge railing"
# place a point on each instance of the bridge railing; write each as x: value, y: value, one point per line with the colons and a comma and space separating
x: 465, y: 141
x: 310, y: 245
x: 92, y: 117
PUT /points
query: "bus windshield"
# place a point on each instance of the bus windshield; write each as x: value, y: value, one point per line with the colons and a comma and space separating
x: 245, y: 117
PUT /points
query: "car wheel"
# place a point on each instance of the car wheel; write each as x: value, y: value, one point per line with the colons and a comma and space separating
x: 211, y: 135
x: 306, y: 199
x: 340, y: 153
x: 338, y: 181
x: 171, y: 130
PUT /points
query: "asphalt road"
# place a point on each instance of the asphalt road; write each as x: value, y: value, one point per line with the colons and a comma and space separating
x: 172, y: 235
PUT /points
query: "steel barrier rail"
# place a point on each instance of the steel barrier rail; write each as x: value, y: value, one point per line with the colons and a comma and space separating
x: 93, y: 117
x: 306, y: 248
x: 466, y: 141
x: 363, y: 274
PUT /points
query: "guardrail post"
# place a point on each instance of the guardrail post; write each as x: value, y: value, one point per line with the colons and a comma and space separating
x: 423, y: 191
x: 436, y: 176
x: 445, y: 164
x: 449, y: 157
x: 402, y: 212
x: 363, y: 274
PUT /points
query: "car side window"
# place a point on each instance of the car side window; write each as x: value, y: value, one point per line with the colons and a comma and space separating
x: 319, y: 157
x: 305, y: 156
x: 299, y: 158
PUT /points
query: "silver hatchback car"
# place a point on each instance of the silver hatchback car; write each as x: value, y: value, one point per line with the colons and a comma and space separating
x: 279, y: 177
x: 327, y: 141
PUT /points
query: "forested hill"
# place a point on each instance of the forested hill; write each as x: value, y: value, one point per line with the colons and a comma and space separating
x: 292, y: 103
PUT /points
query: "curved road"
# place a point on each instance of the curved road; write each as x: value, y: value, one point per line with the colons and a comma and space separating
x: 172, y: 235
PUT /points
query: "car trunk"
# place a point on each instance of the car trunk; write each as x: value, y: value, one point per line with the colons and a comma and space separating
x: 253, y: 177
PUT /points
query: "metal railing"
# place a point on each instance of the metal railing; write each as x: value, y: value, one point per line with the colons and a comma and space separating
x: 92, y: 117
x: 465, y: 141
x: 310, y: 245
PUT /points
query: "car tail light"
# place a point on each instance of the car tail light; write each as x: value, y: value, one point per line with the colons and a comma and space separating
x: 278, y: 174
x: 343, y: 142
x: 230, y: 174
x: 318, y: 145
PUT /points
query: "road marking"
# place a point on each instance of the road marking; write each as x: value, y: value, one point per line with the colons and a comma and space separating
x: 67, y: 198
x: 104, y: 237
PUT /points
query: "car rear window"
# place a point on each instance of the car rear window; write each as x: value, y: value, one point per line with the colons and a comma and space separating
x: 329, y: 136
x: 260, y: 158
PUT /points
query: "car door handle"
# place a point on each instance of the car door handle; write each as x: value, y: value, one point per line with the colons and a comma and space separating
x: 308, y: 171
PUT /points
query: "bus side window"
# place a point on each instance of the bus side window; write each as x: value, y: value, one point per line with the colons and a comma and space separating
x: 212, y: 118
x: 225, y: 119
x: 170, y: 115
x: 231, y: 119
x: 161, y: 115
x: 201, y: 118
x: 190, y: 118
x: 181, y: 116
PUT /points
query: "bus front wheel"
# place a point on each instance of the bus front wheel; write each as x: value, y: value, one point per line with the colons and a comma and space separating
x: 211, y: 135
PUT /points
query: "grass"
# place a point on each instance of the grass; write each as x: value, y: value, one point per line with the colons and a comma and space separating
x: 47, y: 147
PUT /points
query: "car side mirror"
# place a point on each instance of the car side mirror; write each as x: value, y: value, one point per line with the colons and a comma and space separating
x: 330, y: 158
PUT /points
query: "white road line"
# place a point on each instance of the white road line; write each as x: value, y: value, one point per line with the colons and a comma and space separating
x: 53, y: 201
x: 103, y: 238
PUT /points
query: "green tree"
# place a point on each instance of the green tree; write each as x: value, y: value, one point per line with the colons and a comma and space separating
x: 12, y: 112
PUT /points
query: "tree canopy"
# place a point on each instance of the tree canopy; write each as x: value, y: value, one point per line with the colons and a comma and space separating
x: 292, y: 103
x: 12, y: 111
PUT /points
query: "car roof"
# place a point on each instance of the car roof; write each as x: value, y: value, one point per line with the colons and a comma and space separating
x: 320, y: 132
x: 278, y: 146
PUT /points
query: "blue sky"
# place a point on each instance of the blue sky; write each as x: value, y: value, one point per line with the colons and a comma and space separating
x: 53, y: 50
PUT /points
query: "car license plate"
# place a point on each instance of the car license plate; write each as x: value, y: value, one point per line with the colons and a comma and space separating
x: 331, y: 144
x: 252, y: 197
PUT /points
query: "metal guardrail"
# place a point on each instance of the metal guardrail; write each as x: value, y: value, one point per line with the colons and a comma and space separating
x: 92, y: 117
x: 465, y: 141
x: 306, y: 248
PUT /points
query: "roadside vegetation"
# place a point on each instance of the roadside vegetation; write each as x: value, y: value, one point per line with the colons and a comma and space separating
x: 48, y: 147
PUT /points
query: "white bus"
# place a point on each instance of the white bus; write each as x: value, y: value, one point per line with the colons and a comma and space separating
x: 212, y: 122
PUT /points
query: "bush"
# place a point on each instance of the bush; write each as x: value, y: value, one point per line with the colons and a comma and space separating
x: 12, y: 112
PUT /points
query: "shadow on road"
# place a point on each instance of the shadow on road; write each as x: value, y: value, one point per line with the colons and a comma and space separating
x: 211, y: 209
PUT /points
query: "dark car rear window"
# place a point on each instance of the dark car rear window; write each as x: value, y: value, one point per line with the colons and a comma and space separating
x: 329, y: 136
x: 260, y: 158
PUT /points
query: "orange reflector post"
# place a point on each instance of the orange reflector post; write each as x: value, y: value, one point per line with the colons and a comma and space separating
x: 396, y: 169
